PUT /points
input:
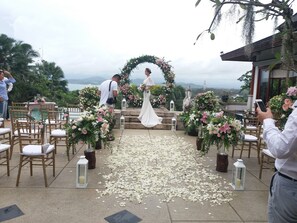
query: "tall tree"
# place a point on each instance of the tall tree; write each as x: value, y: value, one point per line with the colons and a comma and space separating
x: 246, y: 78
x: 251, y: 11
x: 53, y: 78
x: 6, y: 51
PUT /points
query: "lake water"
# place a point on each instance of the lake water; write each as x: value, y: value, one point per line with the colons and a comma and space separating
x: 73, y: 87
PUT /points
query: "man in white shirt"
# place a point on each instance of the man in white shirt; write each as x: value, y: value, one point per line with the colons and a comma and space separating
x: 109, y: 89
x: 282, y: 205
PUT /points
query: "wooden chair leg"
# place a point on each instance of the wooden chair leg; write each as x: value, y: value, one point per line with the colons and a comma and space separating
x: 54, y: 164
x: 250, y: 147
x: 55, y: 140
x: 261, y: 165
x: 11, y: 145
x: 44, y: 171
x: 31, y: 167
x: 7, y: 162
x: 19, y: 171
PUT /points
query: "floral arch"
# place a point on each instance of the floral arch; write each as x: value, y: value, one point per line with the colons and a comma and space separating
x: 131, y: 94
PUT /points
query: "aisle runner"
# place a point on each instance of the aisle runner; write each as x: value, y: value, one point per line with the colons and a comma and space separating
x: 165, y: 166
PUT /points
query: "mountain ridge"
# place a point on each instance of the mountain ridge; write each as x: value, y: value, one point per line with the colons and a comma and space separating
x: 97, y: 80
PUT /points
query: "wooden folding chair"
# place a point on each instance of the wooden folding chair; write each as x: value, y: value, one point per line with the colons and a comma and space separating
x: 57, y: 133
x: 32, y: 149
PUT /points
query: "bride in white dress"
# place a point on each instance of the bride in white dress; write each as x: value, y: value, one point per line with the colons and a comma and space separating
x: 147, y: 115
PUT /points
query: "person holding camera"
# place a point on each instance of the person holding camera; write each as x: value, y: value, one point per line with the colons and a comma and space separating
x: 282, y: 204
x: 108, y: 91
x: 3, y: 91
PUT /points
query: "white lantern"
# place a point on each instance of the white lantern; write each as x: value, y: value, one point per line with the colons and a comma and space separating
x: 173, y: 124
x: 122, y: 123
x: 238, y: 175
x: 124, y: 104
x: 171, y: 105
x: 81, y: 172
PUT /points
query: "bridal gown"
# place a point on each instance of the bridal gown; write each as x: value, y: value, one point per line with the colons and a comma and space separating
x: 147, y: 115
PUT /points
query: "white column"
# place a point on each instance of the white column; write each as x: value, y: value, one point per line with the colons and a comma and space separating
x: 256, y: 80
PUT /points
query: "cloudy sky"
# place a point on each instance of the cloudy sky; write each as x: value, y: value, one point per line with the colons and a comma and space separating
x: 97, y: 37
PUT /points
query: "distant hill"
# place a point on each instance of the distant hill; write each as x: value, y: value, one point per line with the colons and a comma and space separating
x: 96, y: 80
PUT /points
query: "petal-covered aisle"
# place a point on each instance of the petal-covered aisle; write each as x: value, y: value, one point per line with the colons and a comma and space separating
x: 166, y: 166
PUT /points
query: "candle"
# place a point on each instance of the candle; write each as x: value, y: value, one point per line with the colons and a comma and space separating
x: 81, y: 179
x: 238, y: 182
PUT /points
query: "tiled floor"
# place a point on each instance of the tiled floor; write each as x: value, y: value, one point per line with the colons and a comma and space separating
x: 62, y: 202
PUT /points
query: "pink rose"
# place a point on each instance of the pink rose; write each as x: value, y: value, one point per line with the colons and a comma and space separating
x: 288, y: 102
x: 84, y: 131
x: 285, y: 107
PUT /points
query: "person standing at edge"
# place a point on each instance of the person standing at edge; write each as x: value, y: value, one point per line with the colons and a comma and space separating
x: 109, y: 89
x: 282, y: 204
x: 3, y: 91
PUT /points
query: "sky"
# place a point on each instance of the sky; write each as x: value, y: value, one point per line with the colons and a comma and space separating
x: 98, y: 37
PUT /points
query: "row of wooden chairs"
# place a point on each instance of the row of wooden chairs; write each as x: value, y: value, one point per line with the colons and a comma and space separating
x: 38, y: 138
x: 253, y: 139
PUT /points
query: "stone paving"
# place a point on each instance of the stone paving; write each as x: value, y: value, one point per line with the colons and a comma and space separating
x: 62, y: 202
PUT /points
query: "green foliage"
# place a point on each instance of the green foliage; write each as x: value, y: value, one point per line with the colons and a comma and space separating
x: 246, y: 78
x: 206, y: 101
x: 88, y: 97
x: 44, y: 78
x: 156, y: 90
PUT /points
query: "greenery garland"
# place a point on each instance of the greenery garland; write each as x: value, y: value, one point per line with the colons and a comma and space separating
x: 131, y: 97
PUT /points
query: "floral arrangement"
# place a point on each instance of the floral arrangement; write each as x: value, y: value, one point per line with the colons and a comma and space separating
x: 292, y: 92
x: 281, y: 105
x: 93, y: 125
x: 206, y: 101
x: 88, y: 97
x: 157, y: 101
x: 134, y: 98
x: 39, y: 99
x: 142, y: 87
x: 197, y: 115
x: 194, y: 118
x: 222, y: 131
x: 125, y: 87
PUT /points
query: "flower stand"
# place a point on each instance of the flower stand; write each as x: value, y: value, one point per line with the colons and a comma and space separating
x: 199, y: 143
x: 91, y: 157
x: 98, y: 144
x: 222, y: 162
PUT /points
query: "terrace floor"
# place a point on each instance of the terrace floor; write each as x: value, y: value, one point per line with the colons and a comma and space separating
x: 63, y: 202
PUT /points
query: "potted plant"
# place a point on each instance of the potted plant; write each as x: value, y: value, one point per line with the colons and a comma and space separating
x: 223, y: 132
x: 89, y: 128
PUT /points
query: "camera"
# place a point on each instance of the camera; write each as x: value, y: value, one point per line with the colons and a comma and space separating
x: 260, y: 103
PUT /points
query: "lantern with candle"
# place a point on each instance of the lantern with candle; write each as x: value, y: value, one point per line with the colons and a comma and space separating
x: 81, y: 172
x: 171, y: 105
x: 124, y: 104
x: 173, y: 124
x: 122, y: 123
x: 238, y: 175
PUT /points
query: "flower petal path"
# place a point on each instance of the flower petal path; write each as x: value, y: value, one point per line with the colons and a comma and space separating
x: 166, y: 166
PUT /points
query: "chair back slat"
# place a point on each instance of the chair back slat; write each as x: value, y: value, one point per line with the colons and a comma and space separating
x: 30, y: 133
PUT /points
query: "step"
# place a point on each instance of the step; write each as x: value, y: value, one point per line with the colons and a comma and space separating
x: 132, y: 122
x: 136, y: 112
x: 134, y: 119
x: 135, y: 125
